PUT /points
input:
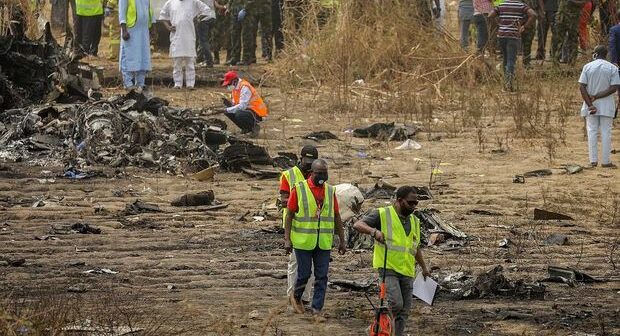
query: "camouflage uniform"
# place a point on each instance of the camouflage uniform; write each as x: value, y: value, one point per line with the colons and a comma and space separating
x: 220, y: 38
x: 236, y: 27
x: 566, y: 32
x: 114, y: 30
x: 424, y: 11
x: 528, y: 35
x: 258, y: 12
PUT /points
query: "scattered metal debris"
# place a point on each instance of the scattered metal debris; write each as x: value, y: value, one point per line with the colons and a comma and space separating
x: 540, y: 214
x: 321, y: 135
x: 140, y: 207
x: 82, y: 228
x: 484, y: 212
x: 489, y: 284
x: 568, y: 276
x: 201, y: 198
x: 518, y: 179
x: 100, y: 271
x: 572, y: 168
x: 556, y: 239
x: 387, y: 131
x: 538, y: 173
x: 355, y: 285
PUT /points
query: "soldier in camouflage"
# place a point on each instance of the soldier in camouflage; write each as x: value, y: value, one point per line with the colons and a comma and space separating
x: 528, y: 35
x: 237, y: 23
x: 566, y: 30
x: 258, y: 12
x: 221, y: 34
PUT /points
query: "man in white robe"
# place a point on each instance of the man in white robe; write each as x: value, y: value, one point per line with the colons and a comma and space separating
x: 178, y: 16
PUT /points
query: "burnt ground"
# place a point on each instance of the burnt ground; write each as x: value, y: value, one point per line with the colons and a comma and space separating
x: 209, y: 273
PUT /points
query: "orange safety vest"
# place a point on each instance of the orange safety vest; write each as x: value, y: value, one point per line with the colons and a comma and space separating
x: 256, y: 102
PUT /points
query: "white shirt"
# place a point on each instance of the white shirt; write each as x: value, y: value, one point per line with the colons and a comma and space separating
x: 244, y: 99
x: 598, y: 76
x: 181, y: 14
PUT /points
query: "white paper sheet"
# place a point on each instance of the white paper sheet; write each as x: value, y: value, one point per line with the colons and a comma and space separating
x: 424, y: 289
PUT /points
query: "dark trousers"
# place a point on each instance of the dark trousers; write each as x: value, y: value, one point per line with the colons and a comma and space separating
x: 543, y: 28
x: 306, y: 261
x: 244, y: 119
x: 509, y: 48
x: 89, y: 33
x: 277, y: 7
x: 203, y: 29
x: 235, y: 40
x: 399, y: 296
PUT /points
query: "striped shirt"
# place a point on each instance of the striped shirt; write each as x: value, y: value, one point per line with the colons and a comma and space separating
x: 512, y: 14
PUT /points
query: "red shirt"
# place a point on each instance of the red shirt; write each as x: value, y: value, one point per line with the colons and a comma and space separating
x: 285, y: 186
x: 317, y: 191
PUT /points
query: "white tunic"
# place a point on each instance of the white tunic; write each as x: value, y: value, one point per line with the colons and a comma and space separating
x: 181, y: 14
x: 598, y: 76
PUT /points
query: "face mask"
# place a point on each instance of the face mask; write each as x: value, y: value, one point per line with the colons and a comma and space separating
x: 405, y: 209
x: 230, y: 87
x: 319, y: 178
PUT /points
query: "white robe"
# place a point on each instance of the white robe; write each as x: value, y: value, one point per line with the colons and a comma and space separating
x: 181, y: 14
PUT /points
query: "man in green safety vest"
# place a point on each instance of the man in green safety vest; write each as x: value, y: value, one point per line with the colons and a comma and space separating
x: 398, y: 229
x: 89, y: 14
x: 288, y: 181
x: 312, y: 218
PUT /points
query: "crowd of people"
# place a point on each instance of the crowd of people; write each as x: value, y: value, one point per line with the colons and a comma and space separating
x: 198, y: 30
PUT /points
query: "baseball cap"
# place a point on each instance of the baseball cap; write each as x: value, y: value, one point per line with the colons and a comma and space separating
x: 228, y: 77
x: 309, y: 153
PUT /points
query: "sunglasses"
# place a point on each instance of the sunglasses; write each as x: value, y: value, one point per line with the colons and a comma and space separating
x: 411, y: 203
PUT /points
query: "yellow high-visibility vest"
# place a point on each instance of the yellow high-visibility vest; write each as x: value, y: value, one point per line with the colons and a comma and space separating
x: 132, y: 14
x: 401, y: 247
x: 88, y: 7
x: 311, y: 227
x: 292, y: 176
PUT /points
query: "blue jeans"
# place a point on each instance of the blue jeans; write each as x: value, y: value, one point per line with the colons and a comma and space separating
x: 305, y: 261
x: 509, y: 48
x: 481, y: 32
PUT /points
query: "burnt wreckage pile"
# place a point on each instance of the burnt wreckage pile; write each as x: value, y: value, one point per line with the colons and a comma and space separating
x: 36, y: 71
x: 129, y: 130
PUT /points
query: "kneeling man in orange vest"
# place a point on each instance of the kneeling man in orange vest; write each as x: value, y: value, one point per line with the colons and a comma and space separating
x: 247, y: 108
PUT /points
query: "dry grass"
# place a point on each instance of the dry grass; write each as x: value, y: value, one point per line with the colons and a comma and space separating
x: 375, y: 57
x: 12, y: 11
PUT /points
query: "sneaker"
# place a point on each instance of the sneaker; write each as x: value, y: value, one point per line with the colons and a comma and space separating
x: 593, y: 164
x: 297, y: 307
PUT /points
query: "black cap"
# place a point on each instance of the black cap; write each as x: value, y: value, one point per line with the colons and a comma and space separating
x: 309, y: 152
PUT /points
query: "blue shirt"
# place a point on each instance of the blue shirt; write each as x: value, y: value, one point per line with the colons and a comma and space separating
x: 614, y: 43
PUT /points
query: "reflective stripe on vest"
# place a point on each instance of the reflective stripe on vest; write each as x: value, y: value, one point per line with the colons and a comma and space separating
x: 132, y: 14
x: 292, y: 176
x: 256, y: 103
x: 310, y: 228
x: 401, y: 247
x: 88, y: 7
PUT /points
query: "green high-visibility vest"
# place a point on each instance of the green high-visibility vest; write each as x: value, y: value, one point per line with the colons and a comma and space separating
x: 401, y: 247
x: 292, y: 176
x: 132, y: 14
x: 88, y: 7
x: 312, y: 227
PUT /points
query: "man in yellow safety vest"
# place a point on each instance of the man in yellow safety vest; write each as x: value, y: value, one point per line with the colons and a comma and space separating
x: 312, y: 218
x: 288, y: 181
x: 396, y: 228
x: 89, y: 14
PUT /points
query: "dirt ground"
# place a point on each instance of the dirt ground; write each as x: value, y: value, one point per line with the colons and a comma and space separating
x: 209, y: 273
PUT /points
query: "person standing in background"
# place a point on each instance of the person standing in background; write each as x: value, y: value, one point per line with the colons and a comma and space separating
x: 528, y: 34
x: 546, y: 22
x: 135, y: 18
x: 89, y: 20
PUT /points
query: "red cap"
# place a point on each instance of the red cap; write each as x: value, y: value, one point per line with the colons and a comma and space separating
x: 228, y: 77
